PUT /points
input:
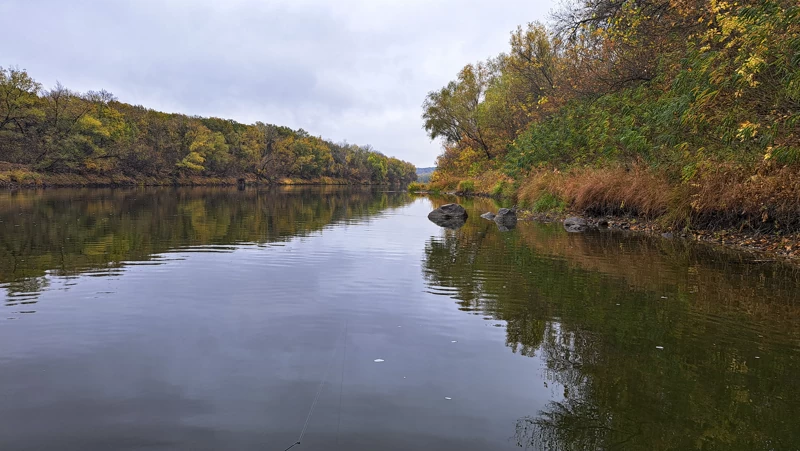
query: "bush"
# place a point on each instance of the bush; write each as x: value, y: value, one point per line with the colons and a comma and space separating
x: 414, y: 187
x: 548, y: 202
x: 503, y: 189
x: 466, y: 187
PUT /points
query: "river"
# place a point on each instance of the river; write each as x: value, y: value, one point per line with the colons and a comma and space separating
x: 218, y: 319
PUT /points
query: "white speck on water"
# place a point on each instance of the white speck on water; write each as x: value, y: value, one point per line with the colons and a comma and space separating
x: 448, y: 398
x: 659, y: 347
x: 399, y: 326
x: 454, y: 341
x: 758, y: 357
x: 378, y: 360
x: 663, y: 297
x: 617, y: 304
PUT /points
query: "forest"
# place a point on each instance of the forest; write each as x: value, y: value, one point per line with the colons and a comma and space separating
x: 58, y: 136
x: 681, y: 111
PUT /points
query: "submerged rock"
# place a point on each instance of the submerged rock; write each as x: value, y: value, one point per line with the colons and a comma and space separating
x: 506, y: 216
x: 575, y: 224
x: 506, y: 219
x: 488, y: 215
x: 505, y: 228
x: 451, y: 216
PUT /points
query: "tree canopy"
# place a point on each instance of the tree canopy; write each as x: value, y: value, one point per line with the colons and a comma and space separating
x: 62, y: 131
x: 675, y: 84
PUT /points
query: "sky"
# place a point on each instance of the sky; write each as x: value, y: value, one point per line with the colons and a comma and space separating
x: 346, y: 70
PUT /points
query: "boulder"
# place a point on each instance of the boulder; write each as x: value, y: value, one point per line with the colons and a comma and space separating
x: 505, y: 227
x: 576, y: 225
x: 506, y: 219
x: 451, y: 216
x: 506, y: 214
x: 488, y: 215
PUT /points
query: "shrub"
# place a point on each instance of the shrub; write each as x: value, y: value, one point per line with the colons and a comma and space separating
x: 548, y: 202
x: 503, y: 188
x: 466, y: 186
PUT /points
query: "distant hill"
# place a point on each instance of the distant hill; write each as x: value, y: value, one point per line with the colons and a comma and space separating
x: 424, y: 174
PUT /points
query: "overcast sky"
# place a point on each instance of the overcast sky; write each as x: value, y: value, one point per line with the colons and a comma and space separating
x: 355, y: 70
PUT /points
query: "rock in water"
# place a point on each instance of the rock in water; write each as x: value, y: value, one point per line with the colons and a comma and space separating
x: 488, y: 215
x: 506, y: 215
x: 506, y: 219
x: 576, y: 225
x: 451, y: 216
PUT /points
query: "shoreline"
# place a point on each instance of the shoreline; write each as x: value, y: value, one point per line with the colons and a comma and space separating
x: 35, y: 180
x: 766, y: 247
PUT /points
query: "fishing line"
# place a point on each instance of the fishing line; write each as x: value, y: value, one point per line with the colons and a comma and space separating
x: 319, y: 391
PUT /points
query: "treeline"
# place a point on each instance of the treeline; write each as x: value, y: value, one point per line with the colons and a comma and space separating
x: 617, y: 99
x: 62, y: 131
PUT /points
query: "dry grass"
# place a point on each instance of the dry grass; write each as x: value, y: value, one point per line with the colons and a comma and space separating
x: 605, y: 191
x: 618, y: 191
x: 441, y: 182
x: 485, y: 183
x: 719, y: 197
x: 727, y: 197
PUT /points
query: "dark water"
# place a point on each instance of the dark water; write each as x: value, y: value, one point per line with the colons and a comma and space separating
x: 213, y: 319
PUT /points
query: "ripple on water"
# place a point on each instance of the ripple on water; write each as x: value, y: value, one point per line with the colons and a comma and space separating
x: 222, y: 308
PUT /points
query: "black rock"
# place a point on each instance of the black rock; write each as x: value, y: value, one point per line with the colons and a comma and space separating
x: 451, y: 216
x: 506, y: 219
x: 505, y: 227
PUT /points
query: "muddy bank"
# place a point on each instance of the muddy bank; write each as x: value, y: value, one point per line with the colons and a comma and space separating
x: 776, y: 246
x: 764, y: 247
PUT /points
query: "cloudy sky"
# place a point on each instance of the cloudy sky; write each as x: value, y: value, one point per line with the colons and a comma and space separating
x: 355, y: 70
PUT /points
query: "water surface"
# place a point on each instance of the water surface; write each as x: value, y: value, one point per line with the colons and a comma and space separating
x: 205, y: 319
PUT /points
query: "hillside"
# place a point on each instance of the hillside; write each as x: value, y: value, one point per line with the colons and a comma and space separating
x: 680, y: 111
x: 62, y: 137
x: 424, y: 174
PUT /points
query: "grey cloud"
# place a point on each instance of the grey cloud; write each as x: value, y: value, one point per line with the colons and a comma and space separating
x: 350, y: 69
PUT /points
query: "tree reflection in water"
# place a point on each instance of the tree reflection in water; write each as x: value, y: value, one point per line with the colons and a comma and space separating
x: 66, y: 232
x: 654, y: 342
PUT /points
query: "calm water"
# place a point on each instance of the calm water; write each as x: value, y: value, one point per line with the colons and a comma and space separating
x: 213, y: 319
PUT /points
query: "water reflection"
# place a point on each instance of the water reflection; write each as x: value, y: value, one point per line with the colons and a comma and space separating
x: 66, y: 232
x: 617, y: 341
x: 657, y: 344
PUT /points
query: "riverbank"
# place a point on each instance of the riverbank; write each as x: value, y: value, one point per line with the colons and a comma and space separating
x: 764, y: 247
x: 757, y: 214
x: 21, y: 177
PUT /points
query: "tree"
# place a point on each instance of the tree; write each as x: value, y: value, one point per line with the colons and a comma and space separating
x: 19, y: 111
x: 452, y: 112
x: 207, y: 150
